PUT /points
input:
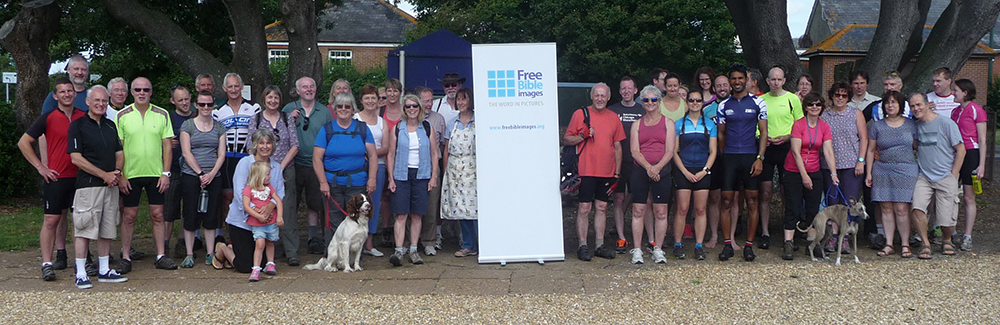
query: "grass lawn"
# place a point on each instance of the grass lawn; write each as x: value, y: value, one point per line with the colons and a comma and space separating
x: 20, y: 224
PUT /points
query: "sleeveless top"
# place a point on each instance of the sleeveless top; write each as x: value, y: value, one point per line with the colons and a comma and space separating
x: 652, y: 140
x: 376, y: 133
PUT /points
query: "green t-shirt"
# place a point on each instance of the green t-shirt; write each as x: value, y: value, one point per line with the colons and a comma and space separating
x: 319, y: 117
x: 142, y: 140
x: 782, y: 112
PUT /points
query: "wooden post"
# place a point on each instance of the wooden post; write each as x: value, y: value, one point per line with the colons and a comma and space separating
x: 990, y: 152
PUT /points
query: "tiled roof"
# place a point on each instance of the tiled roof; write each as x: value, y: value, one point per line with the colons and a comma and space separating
x: 840, y: 13
x: 856, y: 38
x: 355, y: 21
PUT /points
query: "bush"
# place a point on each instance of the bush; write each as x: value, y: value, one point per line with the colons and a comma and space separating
x: 342, y: 69
x: 16, y: 178
x: 993, y: 96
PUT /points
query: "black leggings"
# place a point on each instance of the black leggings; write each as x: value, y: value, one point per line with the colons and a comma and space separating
x: 243, y: 247
x: 796, y: 193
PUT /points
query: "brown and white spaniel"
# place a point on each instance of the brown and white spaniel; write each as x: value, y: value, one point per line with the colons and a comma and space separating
x: 349, y: 239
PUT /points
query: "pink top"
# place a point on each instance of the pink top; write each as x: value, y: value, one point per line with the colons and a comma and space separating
x: 812, y: 144
x: 967, y: 117
x: 652, y: 140
x: 259, y: 199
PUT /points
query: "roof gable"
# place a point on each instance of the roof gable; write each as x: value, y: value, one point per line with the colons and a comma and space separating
x: 856, y: 38
x: 838, y: 14
x: 355, y: 21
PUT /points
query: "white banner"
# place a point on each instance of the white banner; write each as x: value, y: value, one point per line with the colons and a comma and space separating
x: 517, y: 150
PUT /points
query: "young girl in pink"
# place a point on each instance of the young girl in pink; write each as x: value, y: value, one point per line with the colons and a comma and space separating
x: 259, y: 193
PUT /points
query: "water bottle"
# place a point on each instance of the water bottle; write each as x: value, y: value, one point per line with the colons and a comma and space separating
x: 977, y: 185
x: 203, y: 201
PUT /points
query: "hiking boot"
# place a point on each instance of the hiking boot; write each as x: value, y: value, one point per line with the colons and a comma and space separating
x: 293, y: 261
x: 622, y: 246
x: 605, y: 252
x: 415, y: 258
x: 846, y: 245
x: 658, y: 257
x: 877, y: 241
x: 583, y: 253
x: 166, y: 263
x: 789, y: 252
x: 396, y: 259
x: 727, y: 252
x: 60, y: 261
x: 48, y: 274
x: 84, y: 283
x: 748, y: 254
x: 111, y: 277
x: 315, y: 246
x: 636, y: 256
x: 831, y: 245
x: 699, y: 253
x: 135, y: 255
x: 679, y: 252
x: 269, y: 269
x: 966, y: 244
x: 764, y: 241
x: 180, y: 249
x: 124, y: 266
x: 199, y: 245
x: 89, y: 266
x: 255, y: 275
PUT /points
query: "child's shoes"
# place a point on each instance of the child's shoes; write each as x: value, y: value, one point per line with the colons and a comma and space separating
x: 255, y: 274
x: 269, y: 269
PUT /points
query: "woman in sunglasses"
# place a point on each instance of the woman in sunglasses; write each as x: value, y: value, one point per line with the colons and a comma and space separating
x: 696, y: 150
x: 810, y: 139
x: 203, y: 146
x: 653, y: 145
x: 894, y: 175
x: 412, y: 164
x: 286, y: 146
x: 850, y: 143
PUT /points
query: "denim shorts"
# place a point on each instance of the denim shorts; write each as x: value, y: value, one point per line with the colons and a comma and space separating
x: 268, y: 232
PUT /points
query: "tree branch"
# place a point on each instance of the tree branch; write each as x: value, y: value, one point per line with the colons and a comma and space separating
x: 891, y: 39
x: 952, y: 40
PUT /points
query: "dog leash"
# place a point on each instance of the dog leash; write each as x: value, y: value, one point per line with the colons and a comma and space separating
x: 326, y: 204
x: 847, y: 203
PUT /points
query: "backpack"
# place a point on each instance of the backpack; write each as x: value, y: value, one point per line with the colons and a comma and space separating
x: 570, y: 161
x: 328, y: 129
x: 427, y: 129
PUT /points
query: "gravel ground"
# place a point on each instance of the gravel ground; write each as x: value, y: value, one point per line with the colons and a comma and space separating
x: 964, y: 290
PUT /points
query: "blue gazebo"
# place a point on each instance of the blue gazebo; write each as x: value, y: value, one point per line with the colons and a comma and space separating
x: 424, y: 61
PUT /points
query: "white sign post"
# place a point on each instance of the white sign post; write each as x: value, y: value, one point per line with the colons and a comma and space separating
x: 517, y: 153
x: 8, y: 79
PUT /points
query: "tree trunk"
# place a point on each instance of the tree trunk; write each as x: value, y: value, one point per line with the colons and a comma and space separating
x: 763, y: 29
x: 916, y: 36
x: 952, y: 40
x: 169, y: 37
x: 27, y: 37
x: 304, y: 57
x: 892, y: 37
x: 250, y: 48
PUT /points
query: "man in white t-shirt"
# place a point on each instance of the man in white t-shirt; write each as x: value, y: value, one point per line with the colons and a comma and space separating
x: 452, y: 82
x: 942, y: 99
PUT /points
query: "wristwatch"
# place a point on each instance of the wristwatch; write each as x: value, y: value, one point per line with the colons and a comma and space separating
x: 167, y: 174
x: 707, y: 171
x: 760, y: 157
x: 861, y: 159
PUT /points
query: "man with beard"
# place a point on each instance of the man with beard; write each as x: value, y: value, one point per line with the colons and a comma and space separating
x: 452, y: 82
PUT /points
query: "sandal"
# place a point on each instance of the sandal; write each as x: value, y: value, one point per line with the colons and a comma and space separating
x: 886, y: 251
x: 947, y: 249
x: 925, y: 253
x: 906, y: 252
x: 217, y: 263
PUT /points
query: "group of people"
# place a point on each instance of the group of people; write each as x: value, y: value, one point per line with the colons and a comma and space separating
x: 661, y: 144
x: 231, y: 164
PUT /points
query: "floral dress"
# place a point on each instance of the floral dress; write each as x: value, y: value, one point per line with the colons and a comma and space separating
x: 458, y: 192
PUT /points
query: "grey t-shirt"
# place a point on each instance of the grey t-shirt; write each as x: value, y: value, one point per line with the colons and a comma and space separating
x: 204, y: 146
x: 936, y: 151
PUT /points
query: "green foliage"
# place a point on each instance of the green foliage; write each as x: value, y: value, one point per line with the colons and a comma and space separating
x: 993, y: 95
x: 596, y: 40
x: 16, y: 177
x: 342, y: 69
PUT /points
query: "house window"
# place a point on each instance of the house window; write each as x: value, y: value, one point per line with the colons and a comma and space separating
x: 277, y: 56
x: 340, y: 56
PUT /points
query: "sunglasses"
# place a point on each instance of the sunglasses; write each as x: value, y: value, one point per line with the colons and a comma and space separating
x: 305, y: 123
x: 841, y: 95
x: 816, y: 104
x: 647, y: 100
x: 891, y: 74
x: 142, y: 90
x: 343, y: 106
x: 204, y: 104
x: 411, y: 106
x: 695, y: 100
x: 451, y: 85
x: 383, y: 97
x: 175, y: 86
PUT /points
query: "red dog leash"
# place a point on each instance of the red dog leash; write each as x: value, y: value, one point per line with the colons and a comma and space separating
x: 326, y: 204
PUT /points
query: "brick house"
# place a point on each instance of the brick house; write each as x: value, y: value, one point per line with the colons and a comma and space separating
x: 358, y: 31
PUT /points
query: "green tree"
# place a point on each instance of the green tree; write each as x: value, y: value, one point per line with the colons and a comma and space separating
x: 595, y: 40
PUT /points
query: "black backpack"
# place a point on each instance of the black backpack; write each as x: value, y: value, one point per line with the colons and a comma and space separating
x: 570, y: 161
x: 427, y: 129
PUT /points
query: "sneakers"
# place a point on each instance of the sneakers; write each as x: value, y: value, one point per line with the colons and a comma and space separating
x: 84, y: 283
x: 124, y: 266
x: 372, y: 252
x: 255, y: 275
x: 877, y: 241
x: 437, y: 243
x: 187, y: 263
x: 89, y: 266
x: 649, y: 247
x: 936, y: 235
x: 636, y: 255
x: 180, y: 249
x: 208, y: 259
x: 415, y: 258
x: 135, y: 255
x: 269, y: 269
x: 966, y: 243
x: 831, y: 245
x: 60, y: 262
x: 699, y: 253
x: 621, y: 246
x: 583, y: 253
x: 658, y: 257
x: 679, y: 252
x: 846, y: 245
x: 430, y: 251
x: 764, y: 241
x: 166, y: 263
x: 396, y: 259
x: 315, y: 246
x: 48, y: 272
x: 727, y: 252
x: 605, y: 252
x: 789, y: 252
x: 111, y: 277
x: 748, y: 254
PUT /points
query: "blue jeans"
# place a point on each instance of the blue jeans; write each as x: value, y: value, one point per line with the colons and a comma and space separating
x: 470, y: 234
x: 377, y: 199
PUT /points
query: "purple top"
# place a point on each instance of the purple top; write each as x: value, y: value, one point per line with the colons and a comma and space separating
x: 285, y: 133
